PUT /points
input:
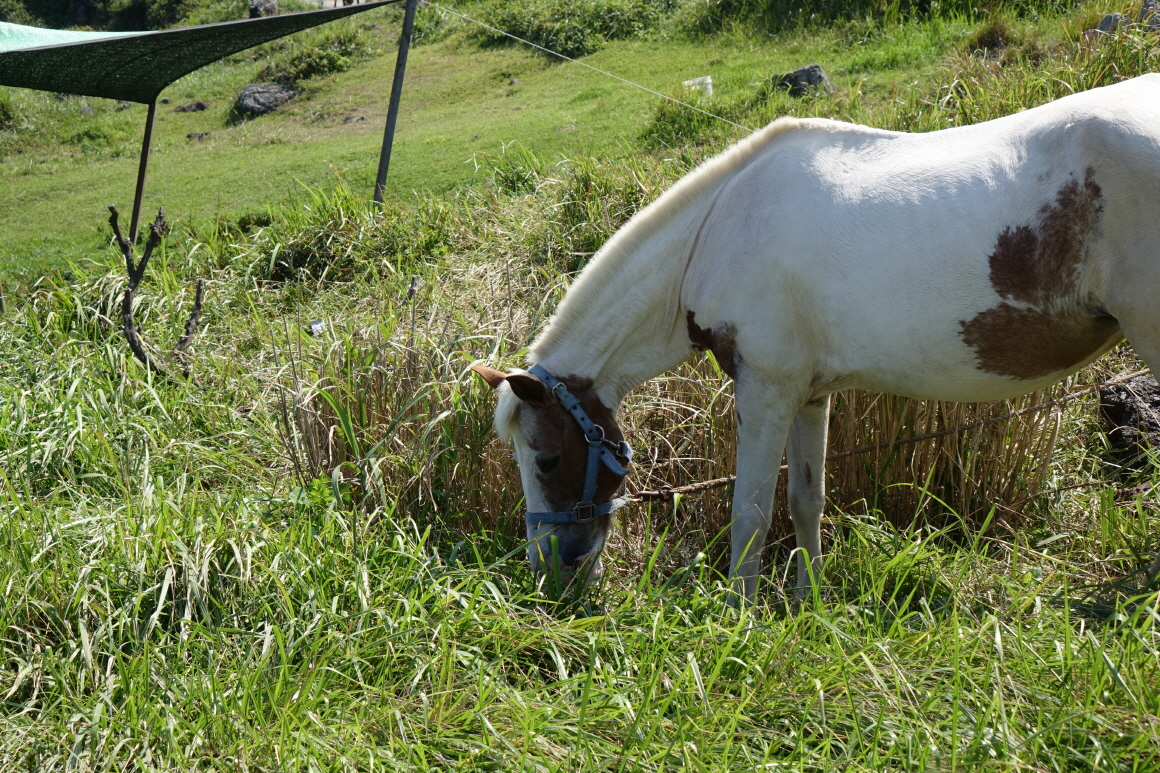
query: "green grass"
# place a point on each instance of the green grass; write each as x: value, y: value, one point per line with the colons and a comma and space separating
x: 309, y: 557
x: 460, y: 105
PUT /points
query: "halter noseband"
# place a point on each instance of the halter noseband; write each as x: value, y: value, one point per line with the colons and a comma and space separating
x: 600, y: 451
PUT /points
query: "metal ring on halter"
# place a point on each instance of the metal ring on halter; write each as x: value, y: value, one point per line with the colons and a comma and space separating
x: 600, y: 451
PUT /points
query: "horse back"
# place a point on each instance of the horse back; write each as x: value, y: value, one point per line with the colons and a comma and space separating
x: 971, y: 263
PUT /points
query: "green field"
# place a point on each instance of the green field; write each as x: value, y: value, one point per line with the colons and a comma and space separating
x: 308, y: 556
x: 460, y: 108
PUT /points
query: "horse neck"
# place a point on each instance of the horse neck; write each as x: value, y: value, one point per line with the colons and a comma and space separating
x: 621, y: 323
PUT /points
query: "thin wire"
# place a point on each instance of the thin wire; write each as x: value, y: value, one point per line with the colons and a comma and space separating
x: 584, y: 64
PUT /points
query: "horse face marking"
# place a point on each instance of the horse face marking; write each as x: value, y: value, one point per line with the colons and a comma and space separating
x: 552, y: 454
x: 1042, y: 326
x: 721, y: 340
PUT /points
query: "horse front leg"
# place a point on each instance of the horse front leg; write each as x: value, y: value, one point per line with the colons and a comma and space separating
x: 806, y: 457
x: 761, y: 434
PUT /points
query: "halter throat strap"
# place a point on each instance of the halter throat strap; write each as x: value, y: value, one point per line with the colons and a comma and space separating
x: 600, y: 451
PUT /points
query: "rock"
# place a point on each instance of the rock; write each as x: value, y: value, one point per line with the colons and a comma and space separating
x: 165, y: 100
x: 260, y: 8
x: 124, y: 106
x: 262, y: 98
x: 354, y: 118
x: 192, y: 107
x: 198, y: 136
x: 514, y: 81
x: 1150, y: 15
x: 1113, y: 23
x: 86, y: 111
x: 1131, y: 412
x: 799, y: 82
x: 704, y: 84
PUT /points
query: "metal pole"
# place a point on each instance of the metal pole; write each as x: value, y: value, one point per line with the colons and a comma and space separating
x: 396, y: 95
x: 144, y: 165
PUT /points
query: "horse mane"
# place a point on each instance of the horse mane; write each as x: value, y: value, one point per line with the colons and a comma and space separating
x: 604, y: 271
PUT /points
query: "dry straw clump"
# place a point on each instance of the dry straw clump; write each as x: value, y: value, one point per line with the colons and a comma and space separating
x: 683, y: 425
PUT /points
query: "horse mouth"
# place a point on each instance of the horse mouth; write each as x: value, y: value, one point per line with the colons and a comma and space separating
x: 587, y: 568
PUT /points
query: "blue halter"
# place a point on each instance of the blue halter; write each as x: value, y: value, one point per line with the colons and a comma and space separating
x: 600, y: 451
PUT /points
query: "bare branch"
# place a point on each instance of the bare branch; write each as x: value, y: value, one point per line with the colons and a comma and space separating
x: 136, y: 272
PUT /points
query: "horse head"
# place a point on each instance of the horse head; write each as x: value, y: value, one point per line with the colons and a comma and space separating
x: 572, y: 459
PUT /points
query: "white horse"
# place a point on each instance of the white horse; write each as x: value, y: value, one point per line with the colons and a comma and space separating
x: 973, y: 264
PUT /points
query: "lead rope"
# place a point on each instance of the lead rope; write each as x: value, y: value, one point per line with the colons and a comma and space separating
x: 666, y: 493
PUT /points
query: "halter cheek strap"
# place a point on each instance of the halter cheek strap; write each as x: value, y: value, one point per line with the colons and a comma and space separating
x: 600, y: 451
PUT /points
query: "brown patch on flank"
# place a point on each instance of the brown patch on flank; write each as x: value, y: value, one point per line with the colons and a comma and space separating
x: 809, y: 474
x: 720, y: 340
x: 1030, y: 343
x: 1037, y: 266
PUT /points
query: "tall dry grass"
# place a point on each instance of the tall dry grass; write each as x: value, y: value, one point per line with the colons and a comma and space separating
x: 406, y: 430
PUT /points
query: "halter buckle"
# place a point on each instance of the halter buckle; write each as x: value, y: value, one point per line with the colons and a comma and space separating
x: 584, y: 512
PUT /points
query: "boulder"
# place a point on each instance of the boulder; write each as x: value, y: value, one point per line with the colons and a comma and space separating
x: 1113, y: 23
x: 262, y: 98
x: 260, y: 8
x: 704, y: 84
x: 1150, y: 15
x: 799, y: 82
x: 1131, y: 414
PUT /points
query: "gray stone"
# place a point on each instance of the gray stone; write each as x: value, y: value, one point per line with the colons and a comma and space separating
x: 262, y: 98
x: 1131, y: 414
x: 799, y: 82
x: 198, y: 136
x: 86, y: 111
x: 1113, y: 23
x: 192, y: 107
x: 354, y: 118
x: 260, y: 8
x: 1150, y: 15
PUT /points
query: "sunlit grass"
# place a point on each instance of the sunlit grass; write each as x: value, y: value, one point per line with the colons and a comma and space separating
x: 309, y: 557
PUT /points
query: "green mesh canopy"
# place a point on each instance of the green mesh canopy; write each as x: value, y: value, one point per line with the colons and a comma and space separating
x: 136, y: 66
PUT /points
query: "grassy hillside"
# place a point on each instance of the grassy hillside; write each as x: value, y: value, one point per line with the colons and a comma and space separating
x: 462, y: 105
x: 308, y: 557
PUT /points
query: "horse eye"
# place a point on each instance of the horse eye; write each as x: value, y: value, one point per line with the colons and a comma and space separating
x: 546, y: 464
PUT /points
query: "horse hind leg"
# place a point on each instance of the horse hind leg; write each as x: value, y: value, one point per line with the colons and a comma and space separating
x: 806, y: 457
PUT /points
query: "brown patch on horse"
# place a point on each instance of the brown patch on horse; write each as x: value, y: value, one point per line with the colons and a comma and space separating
x: 1031, y: 343
x: 720, y: 340
x: 563, y: 486
x: 1037, y: 266
x: 809, y: 474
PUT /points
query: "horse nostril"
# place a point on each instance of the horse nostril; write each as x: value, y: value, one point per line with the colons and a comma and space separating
x: 546, y: 464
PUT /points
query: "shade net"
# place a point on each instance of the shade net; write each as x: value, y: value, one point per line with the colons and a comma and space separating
x: 136, y: 66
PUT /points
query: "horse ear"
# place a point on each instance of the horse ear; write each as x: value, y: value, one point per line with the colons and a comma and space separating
x: 492, y: 376
x: 530, y: 389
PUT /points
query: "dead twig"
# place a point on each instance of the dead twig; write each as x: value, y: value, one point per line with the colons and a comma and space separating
x: 136, y: 272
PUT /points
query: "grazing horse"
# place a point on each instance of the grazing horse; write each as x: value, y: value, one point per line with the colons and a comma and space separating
x: 974, y: 264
